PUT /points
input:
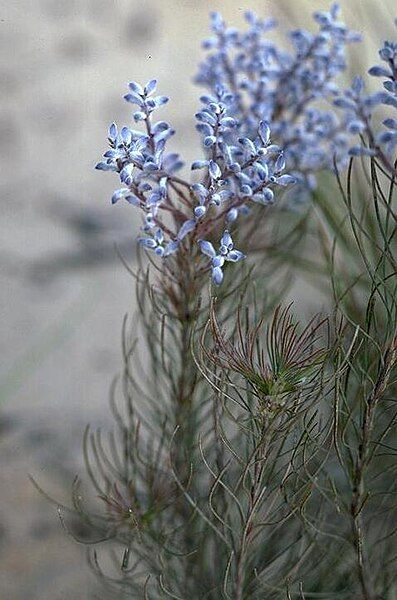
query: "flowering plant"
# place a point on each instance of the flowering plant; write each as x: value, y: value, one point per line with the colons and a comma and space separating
x: 254, y: 457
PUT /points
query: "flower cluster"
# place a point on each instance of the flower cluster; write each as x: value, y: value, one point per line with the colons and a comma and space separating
x: 359, y: 106
x: 265, y: 110
x: 285, y: 88
x: 388, y: 53
x: 143, y: 165
x: 238, y: 170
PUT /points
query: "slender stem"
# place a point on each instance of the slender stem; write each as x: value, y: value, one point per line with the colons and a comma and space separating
x: 256, y: 494
x: 359, y: 493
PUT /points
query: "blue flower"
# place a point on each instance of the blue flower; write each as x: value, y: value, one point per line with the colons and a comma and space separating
x: 157, y: 244
x: 226, y: 252
x: 121, y: 193
x: 186, y: 228
x: 214, y: 170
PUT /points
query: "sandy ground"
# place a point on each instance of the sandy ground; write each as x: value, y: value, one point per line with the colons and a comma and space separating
x: 63, y: 67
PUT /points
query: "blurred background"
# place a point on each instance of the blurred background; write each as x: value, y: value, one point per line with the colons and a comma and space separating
x: 64, y: 65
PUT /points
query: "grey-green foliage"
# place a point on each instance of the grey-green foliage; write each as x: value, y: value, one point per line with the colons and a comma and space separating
x: 254, y: 457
